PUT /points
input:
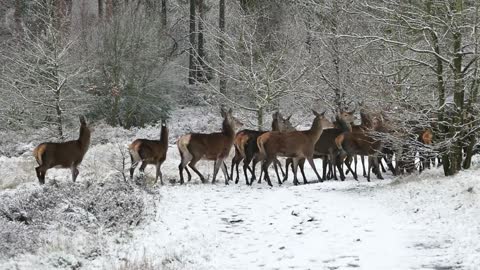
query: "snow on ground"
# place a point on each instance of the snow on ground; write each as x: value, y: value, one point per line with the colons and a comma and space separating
x: 400, y: 224
x: 425, y: 221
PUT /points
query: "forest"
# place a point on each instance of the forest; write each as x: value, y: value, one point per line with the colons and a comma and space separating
x: 129, y: 63
x: 393, y: 83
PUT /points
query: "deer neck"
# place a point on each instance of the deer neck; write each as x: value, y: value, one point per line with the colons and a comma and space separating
x: 366, y: 121
x: 84, y: 137
x: 343, y: 125
x: 227, y: 129
x: 316, y: 130
x: 164, y: 135
x: 275, y: 126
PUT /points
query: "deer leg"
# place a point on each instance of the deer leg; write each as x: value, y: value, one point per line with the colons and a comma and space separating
x: 41, y: 171
x: 183, y: 165
x: 350, y: 168
x: 235, y: 161
x: 142, y: 168
x: 369, y: 169
x: 341, y: 157
x: 74, y: 173
x: 133, y: 166
x: 238, y: 173
x: 376, y: 165
x: 225, y: 172
x: 288, y: 162
x: 362, y: 159
x: 265, y: 165
x: 261, y: 170
x: 188, y: 174
x: 280, y: 166
x: 348, y: 160
x: 324, y: 168
x: 255, y: 161
x: 216, y: 167
x: 295, y: 168
x: 312, y: 163
x: 247, y: 161
x: 301, y: 164
x: 192, y: 166
x: 277, y: 164
x: 159, y: 173
x: 381, y: 164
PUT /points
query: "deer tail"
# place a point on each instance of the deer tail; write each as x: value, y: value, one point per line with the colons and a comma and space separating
x: 133, y: 149
x: 182, y: 144
x: 239, y: 144
x: 261, y: 147
x: 38, y: 153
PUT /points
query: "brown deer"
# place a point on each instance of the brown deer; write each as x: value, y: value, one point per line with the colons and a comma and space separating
x: 425, y: 137
x: 325, y: 147
x: 214, y: 146
x: 360, y: 142
x: 246, y: 146
x: 62, y: 155
x: 295, y: 144
x: 149, y: 152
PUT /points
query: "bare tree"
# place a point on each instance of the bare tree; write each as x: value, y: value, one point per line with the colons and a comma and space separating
x: 41, y: 71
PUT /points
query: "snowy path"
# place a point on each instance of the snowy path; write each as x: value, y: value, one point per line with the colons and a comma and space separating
x: 306, y: 227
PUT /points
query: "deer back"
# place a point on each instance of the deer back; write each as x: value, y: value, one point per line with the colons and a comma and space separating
x: 66, y: 154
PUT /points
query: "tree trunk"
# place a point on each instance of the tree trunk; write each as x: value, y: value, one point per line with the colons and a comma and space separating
x: 458, y: 96
x: 164, y: 13
x: 191, y: 62
x: 221, y: 47
x: 100, y: 8
x: 473, y: 96
x: 17, y: 15
x: 201, y: 69
x: 260, y: 118
x: 109, y: 9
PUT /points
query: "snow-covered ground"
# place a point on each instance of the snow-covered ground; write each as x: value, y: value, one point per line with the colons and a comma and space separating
x: 425, y: 221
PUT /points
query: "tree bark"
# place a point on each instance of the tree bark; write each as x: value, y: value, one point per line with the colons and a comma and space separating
x: 191, y: 62
x: 17, y: 15
x: 221, y: 47
x: 201, y: 69
x: 108, y: 9
x: 100, y: 8
x: 164, y: 13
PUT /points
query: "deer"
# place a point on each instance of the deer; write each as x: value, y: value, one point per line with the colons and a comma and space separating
x: 214, y: 146
x: 425, y: 137
x: 325, y: 147
x: 246, y: 146
x: 297, y: 145
x: 62, y: 155
x: 149, y: 152
x: 351, y: 143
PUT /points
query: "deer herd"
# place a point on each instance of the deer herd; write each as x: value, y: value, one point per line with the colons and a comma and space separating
x: 338, y: 143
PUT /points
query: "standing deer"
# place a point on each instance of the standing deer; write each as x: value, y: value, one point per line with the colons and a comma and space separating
x: 425, y: 137
x: 360, y: 142
x: 297, y: 145
x: 149, y: 152
x: 62, y: 155
x: 214, y: 146
x: 325, y: 147
x: 246, y: 148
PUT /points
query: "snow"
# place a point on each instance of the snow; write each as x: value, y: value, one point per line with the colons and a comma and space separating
x: 424, y: 221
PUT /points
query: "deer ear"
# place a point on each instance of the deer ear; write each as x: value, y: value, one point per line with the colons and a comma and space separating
x: 82, y: 119
x: 230, y: 111
x: 222, y: 111
x: 290, y: 116
x: 315, y: 113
